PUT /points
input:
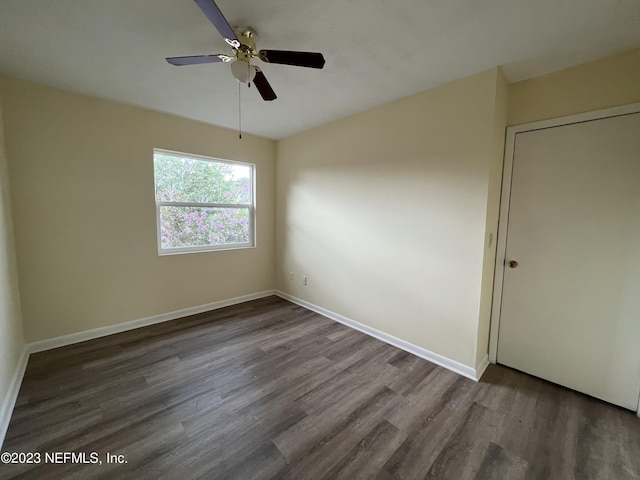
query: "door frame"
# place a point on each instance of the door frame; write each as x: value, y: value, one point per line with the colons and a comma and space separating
x: 505, y: 200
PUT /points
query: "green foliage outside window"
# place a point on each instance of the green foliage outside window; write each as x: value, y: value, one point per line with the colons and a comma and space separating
x: 181, y: 179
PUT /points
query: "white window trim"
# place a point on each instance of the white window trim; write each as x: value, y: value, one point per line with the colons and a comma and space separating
x: 206, y: 248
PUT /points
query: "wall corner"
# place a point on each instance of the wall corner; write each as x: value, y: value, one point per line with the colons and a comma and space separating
x: 498, y: 130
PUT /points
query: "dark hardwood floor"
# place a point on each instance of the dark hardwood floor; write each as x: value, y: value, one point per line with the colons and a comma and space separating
x: 268, y: 389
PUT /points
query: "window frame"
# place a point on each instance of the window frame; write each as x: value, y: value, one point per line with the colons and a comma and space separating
x: 206, y: 248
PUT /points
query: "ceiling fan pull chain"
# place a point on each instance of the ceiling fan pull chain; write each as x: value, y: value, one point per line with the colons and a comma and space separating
x: 239, y: 113
x: 249, y: 74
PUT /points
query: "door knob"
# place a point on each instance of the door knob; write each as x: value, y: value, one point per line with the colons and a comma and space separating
x: 512, y: 264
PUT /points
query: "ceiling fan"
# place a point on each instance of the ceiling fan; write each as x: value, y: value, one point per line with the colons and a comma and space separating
x: 242, y: 40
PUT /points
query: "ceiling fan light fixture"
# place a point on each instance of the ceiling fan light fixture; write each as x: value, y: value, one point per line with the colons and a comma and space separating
x: 243, y: 71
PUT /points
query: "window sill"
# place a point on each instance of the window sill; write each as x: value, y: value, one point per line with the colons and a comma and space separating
x: 182, y: 251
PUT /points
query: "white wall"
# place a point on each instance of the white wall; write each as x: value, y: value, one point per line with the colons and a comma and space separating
x: 81, y: 172
x: 385, y: 212
x: 11, y: 340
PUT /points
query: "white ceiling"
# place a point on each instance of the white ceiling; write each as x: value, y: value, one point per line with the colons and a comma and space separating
x: 376, y: 50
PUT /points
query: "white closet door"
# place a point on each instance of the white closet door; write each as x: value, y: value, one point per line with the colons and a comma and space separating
x: 571, y: 307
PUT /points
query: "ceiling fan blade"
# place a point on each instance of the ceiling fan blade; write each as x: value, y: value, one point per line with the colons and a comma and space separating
x: 261, y: 83
x: 213, y: 13
x: 299, y: 59
x: 197, y: 59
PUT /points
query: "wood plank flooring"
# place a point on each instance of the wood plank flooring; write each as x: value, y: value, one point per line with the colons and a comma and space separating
x: 268, y: 389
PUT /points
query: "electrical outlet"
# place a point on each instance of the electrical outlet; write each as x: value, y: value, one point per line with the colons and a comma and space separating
x: 304, y: 279
x: 290, y: 275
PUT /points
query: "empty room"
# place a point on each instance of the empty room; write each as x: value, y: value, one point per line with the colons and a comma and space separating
x: 319, y: 240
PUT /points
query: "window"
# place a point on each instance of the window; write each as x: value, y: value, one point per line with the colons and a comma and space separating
x: 202, y: 203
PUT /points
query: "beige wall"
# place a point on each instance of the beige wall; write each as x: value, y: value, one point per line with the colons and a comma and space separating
x: 11, y: 340
x: 608, y: 82
x: 385, y: 213
x: 81, y: 171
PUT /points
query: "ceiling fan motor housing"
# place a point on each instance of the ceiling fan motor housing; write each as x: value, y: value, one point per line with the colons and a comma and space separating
x: 247, y: 50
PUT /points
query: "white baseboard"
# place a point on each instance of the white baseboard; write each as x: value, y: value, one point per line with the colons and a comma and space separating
x: 11, y: 395
x: 77, y: 337
x: 482, y: 367
x: 454, y: 366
